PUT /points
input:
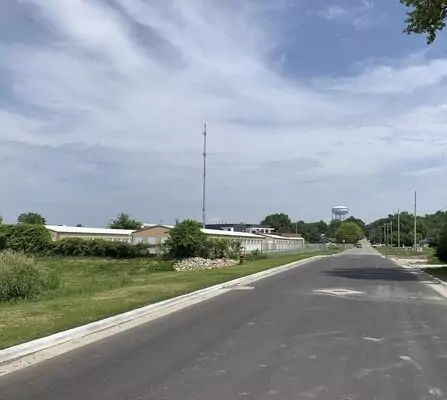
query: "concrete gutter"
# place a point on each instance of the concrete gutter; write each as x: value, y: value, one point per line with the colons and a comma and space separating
x: 105, y: 326
x: 434, y: 282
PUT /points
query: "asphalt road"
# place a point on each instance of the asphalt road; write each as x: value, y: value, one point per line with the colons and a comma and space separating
x: 287, y: 338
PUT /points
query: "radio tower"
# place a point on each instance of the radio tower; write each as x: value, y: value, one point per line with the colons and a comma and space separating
x: 204, y: 178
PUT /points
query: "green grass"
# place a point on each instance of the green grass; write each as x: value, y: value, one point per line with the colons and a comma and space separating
x: 92, y: 289
x: 440, y: 272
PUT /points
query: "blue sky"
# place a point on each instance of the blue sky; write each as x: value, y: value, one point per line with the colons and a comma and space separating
x: 309, y: 105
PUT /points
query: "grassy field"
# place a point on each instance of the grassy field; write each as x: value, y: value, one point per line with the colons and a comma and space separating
x: 92, y: 289
x: 440, y: 272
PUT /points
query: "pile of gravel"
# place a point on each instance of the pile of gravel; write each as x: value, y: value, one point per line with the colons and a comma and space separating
x: 197, y: 263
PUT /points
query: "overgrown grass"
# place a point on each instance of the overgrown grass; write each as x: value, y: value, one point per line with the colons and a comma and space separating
x: 21, y: 278
x: 92, y: 289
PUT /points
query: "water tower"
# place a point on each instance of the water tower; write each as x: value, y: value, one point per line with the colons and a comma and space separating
x: 339, y: 213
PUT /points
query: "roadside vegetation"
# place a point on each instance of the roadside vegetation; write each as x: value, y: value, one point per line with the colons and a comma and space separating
x: 90, y: 289
x: 427, y: 254
x: 47, y: 287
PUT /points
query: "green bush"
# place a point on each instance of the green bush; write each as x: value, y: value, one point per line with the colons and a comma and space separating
x: 235, y: 249
x: 2, y: 242
x: 97, y: 248
x: 26, y: 238
x: 19, y: 276
x: 186, y: 240
x: 71, y: 247
x: 440, y: 245
x: 216, y: 248
x: 255, y: 255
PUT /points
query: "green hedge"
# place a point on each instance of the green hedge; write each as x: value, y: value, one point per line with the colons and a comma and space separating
x: 97, y: 248
x: 26, y: 238
x: 36, y: 239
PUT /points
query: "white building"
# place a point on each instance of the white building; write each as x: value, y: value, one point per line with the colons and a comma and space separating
x: 62, y: 231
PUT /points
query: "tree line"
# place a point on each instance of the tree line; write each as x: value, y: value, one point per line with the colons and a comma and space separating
x: 316, y: 232
x: 428, y: 227
x: 122, y: 221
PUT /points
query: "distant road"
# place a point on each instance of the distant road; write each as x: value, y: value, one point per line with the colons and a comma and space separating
x: 349, y: 327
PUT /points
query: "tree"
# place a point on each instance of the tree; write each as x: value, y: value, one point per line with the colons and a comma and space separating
x: 186, y: 240
x: 333, y: 228
x: 349, y: 232
x: 31, y: 218
x: 124, y: 221
x: 358, y: 221
x: 441, y: 245
x: 1, y: 219
x: 425, y: 17
x: 79, y: 226
x: 376, y: 232
x: 280, y: 222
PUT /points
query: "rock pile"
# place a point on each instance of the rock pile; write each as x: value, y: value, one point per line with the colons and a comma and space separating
x: 197, y: 263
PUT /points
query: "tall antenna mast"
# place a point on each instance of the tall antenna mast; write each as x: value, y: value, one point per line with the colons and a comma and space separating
x: 415, y: 222
x: 204, y: 178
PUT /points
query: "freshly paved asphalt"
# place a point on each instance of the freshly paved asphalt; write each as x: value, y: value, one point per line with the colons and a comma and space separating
x: 281, y: 340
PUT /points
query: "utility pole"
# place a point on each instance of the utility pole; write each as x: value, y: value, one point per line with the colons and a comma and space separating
x: 415, y: 222
x: 384, y: 234
x: 204, y: 178
x: 391, y: 233
x: 398, y: 229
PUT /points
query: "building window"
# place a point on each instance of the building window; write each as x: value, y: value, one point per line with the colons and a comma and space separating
x: 152, y: 240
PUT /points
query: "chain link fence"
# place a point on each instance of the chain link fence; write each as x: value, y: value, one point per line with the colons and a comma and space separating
x: 303, y: 248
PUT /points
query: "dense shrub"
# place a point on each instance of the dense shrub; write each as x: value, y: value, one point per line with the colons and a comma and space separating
x: 186, y: 240
x: 97, y: 248
x: 440, y: 245
x: 19, y: 276
x: 217, y: 248
x: 71, y: 247
x: 26, y: 238
x: 2, y: 242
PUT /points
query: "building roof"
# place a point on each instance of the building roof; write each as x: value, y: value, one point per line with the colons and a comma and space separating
x: 268, y: 235
x: 150, y: 226
x: 241, y: 225
x: 213, y: 232
x: 218, y: 232
x: 92, y: 231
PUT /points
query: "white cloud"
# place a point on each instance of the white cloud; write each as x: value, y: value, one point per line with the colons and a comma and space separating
x: 361, y: 14
x: 333, y: 12
x: 410, y: 76
x: 132, y: 83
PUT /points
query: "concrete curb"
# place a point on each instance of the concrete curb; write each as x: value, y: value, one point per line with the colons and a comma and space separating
x: 418, y: 271
x: 34, y: 346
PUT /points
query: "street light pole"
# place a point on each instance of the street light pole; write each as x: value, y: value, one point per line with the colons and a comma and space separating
x: 398, y: 229
x: 391, y: 233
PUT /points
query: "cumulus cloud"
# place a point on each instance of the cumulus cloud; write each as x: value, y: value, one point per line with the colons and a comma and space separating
x: 104, y: 115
